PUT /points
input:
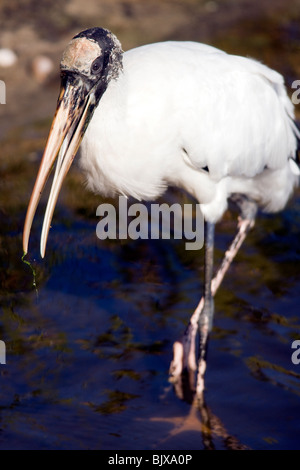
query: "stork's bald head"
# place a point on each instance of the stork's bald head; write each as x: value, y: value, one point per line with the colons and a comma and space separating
x: 95, y: 54
x: 79, y: 54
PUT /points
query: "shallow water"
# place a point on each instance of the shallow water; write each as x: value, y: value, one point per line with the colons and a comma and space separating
x: 88, y: 353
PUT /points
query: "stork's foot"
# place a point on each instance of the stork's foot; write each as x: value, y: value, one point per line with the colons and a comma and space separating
x: 184, y: 353
x: 186, y: 373
x: 183, y: 366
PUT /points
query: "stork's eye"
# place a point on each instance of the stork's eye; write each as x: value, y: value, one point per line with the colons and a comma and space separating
x: 97, y: 66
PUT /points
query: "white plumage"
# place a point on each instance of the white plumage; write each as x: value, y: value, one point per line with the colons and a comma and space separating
x: 180, y: 107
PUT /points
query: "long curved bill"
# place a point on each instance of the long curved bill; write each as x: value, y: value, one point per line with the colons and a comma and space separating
x: 68, y: 127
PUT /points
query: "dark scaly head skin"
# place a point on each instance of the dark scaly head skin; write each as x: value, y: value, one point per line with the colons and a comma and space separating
x: 95, y: 57
x: 90, y: 61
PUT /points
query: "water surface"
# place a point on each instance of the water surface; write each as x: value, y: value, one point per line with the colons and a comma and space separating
x: 88, y: 353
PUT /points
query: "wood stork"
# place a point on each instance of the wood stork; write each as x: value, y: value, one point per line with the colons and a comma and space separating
x: 173, y: 113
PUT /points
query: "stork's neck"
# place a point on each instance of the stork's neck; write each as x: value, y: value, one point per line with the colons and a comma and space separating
x: 100, y: 148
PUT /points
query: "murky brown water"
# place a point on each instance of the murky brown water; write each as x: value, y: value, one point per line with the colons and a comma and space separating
x: 88, y: 354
